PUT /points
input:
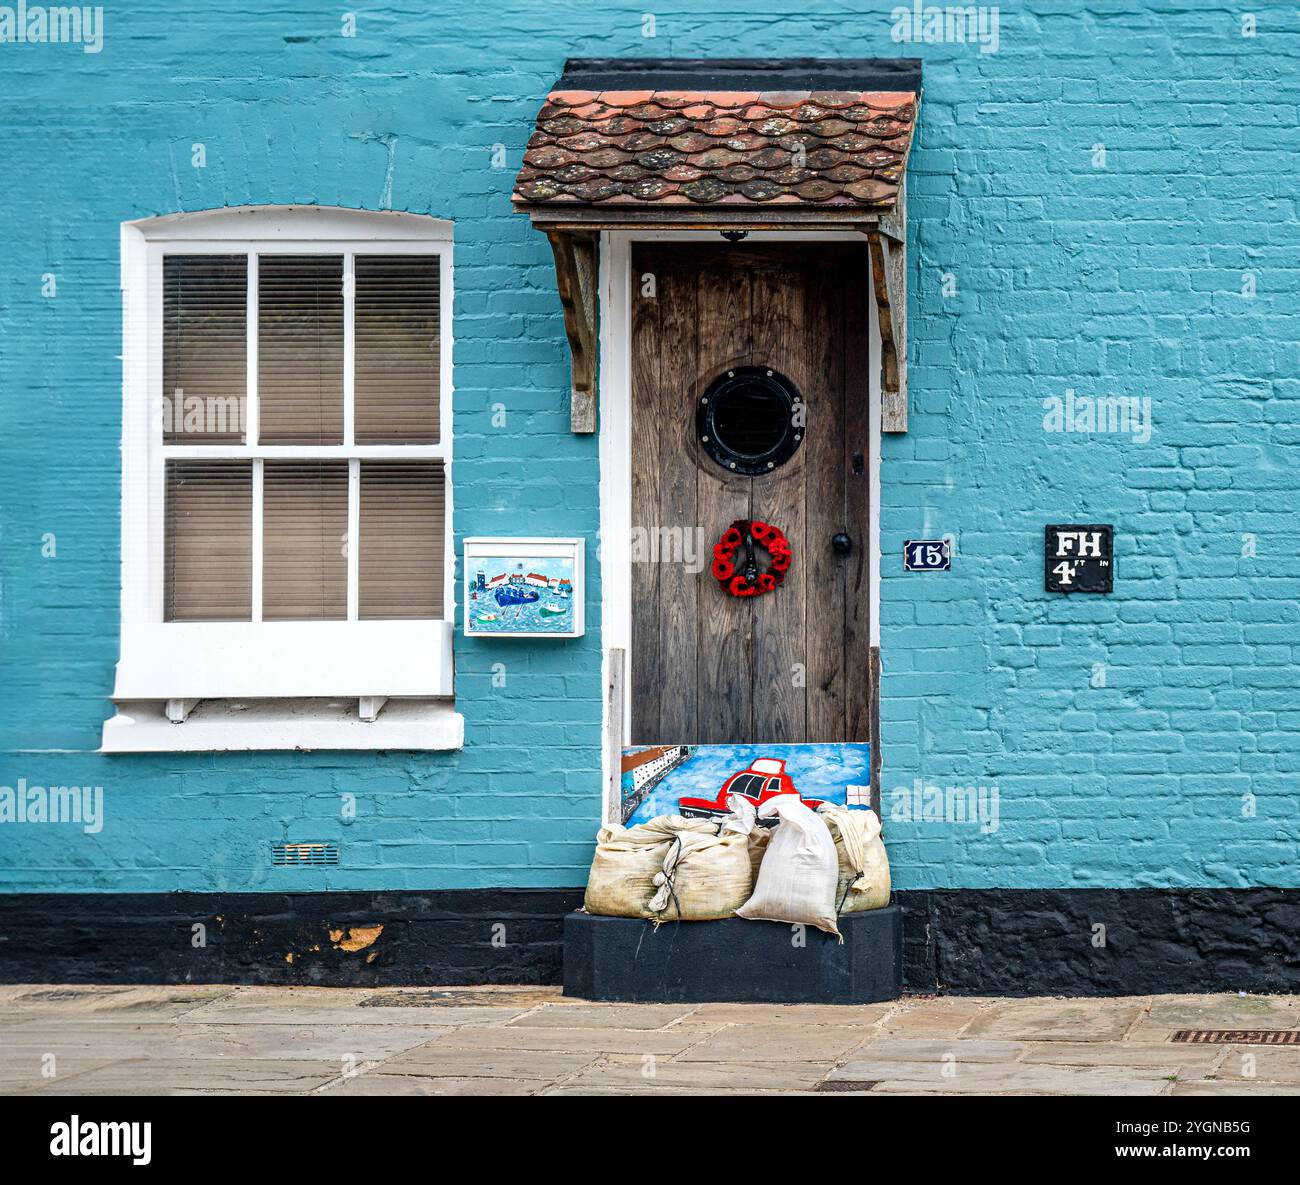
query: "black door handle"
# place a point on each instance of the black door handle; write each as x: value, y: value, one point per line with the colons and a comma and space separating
x: 841, y: 544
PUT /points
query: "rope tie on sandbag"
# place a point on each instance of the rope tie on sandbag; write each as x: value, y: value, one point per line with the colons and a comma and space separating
x: 663, y: 880
x: 853, y: 880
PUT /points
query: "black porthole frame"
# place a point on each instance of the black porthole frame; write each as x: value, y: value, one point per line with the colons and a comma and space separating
x: 750, y: 464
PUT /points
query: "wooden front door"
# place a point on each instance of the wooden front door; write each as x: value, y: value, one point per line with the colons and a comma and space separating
x: 791, y: 665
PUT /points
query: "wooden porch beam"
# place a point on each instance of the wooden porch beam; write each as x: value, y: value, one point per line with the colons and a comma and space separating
x: 575, y: 277
x: 889, y: 271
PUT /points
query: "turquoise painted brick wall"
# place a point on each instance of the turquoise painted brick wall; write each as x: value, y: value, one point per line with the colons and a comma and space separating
x: 1087, y: 202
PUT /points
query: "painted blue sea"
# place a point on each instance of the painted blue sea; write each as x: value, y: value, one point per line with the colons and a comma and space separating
x: 818, y: 771
x: 521, y: 594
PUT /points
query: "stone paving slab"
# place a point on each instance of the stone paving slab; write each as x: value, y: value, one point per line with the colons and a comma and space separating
x: 936, y: 1016
x: 660, y: 1042
x: 1224, y: 1012
x: 439, y: 1061
x: 1127, y: 1053
x: 603, y: 1016
x: 933, y: 1049
x: 372, y: 1084
x: 127, y: 1005
x: 1259, y: 1089
x: 860, y: 1015
x: 227, y: 1012
x: 1242, y: 1062
x: 1056, y: 1020
x: 1006, y: 1078
x: 366, y: 1042
x: 25, y: 1073
x: 777, y: 1042
x: 167, y: 1076
x: 498, y: 1041
x: 653, y: 1074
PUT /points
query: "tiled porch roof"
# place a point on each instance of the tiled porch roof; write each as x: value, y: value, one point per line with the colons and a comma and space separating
x: 662, y: 134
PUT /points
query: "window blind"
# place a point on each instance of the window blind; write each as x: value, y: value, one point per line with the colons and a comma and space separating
x: 300, y: 349
x: 401, y: 561
x: 208, y: 553
x: 297, y: 332
x: 205, y: 348
x: 397, y: 346
x: 304, y: 535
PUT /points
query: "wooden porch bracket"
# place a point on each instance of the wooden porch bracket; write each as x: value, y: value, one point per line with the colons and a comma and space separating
x: 889, y: 271
x: 575, y: 276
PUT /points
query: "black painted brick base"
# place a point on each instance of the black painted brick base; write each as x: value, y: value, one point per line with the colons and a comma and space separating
x: 1026, y: 942
x: 734, y: 960
x: 448, y: 937
x: 967, y: 941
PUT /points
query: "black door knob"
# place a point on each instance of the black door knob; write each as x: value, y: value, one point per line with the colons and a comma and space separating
x: 841, y: 544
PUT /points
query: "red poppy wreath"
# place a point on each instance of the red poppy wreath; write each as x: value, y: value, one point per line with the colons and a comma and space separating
x: 740, y: 577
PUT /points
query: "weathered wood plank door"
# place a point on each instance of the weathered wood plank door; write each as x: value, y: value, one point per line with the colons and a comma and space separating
x: 792, y: 665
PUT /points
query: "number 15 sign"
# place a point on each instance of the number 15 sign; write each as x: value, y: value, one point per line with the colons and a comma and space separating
x: 1079, y: 558
x: 926, y: 555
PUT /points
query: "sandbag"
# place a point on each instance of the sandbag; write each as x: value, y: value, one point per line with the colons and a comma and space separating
x: 673, y: 869
x: 796, y: 879
x: 863, y: 881
x: 758, y: 841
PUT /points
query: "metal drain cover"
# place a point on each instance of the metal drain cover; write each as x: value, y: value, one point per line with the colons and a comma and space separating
x: 842, y: 1085
x: 1238, y: 1036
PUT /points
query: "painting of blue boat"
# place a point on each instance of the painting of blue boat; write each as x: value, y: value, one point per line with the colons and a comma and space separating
x: 520, y: 594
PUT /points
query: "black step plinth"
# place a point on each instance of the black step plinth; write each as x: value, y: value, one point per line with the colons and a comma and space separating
x: 734, y: 960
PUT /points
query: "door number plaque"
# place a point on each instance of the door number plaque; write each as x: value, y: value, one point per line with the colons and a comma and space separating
x: 926, y: 555
x: 1079, y: 558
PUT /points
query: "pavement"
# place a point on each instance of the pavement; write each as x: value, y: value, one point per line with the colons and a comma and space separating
x: 121, y: 1040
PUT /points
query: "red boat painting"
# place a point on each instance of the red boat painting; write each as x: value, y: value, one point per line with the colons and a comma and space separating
x: 765, y: 778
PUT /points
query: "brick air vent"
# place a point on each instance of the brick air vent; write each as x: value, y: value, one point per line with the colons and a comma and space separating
x: 296, y: 855
x: 1238, y: 1036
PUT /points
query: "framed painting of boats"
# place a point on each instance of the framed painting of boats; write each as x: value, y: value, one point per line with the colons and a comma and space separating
x: 523, y: 588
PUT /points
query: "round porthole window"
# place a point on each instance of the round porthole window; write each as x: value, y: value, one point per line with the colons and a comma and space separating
x: 750, y: 420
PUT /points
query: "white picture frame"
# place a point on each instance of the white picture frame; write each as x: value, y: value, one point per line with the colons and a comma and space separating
x: 523, y: 587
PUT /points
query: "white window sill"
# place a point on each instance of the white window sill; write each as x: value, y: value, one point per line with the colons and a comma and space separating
x: 220, y: 725
x: 284, y: 659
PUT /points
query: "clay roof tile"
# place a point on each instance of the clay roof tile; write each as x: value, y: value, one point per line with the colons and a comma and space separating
x: 683, y: 139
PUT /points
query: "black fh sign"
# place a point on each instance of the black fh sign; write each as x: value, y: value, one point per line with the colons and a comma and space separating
x: 1079, y: 558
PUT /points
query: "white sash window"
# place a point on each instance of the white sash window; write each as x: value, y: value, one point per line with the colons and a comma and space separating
x: 286, y: 531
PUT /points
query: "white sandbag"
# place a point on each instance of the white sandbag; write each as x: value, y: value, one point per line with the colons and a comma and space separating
x: 863, y: 863
x: 673, y: 869
x: 796, y: 880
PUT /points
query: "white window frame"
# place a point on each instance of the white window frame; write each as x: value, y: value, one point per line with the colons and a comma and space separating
x: 186, y: 662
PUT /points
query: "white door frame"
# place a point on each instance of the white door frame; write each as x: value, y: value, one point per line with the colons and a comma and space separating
x: 615, y: 419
